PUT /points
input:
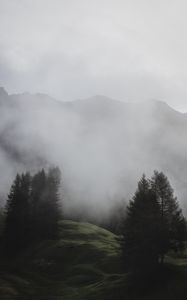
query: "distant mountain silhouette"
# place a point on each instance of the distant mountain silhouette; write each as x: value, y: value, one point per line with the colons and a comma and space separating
x: 103, y: 145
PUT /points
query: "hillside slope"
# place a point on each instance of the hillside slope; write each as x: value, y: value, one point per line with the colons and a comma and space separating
x: 81, y: 264
x: 85, y: 263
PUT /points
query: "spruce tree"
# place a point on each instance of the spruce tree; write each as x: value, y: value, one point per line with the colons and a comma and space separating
x: 37, y: 205
x: 154, y: 224
x: 141, y: 229
x: 45, y: 208
x: 32, y: 210
x: 172, y: 221
x: 17, y: 223
x: 52, y: 202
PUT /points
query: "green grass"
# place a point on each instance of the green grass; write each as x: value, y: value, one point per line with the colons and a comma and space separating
x: 85, y: 264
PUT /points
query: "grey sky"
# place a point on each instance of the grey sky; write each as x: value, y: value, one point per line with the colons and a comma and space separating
x: 126, y: 49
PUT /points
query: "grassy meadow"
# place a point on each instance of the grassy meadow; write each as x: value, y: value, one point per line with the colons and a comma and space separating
x: 86, y: 263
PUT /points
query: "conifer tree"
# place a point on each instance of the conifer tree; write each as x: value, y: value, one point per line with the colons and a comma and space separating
x: 32, y: 209
x: 172, y: 221
x: 141, y: 228
x: 52, y: 202
x: 45, y: 210
x: 154, y: 224
x: 37, y: 205
x: 17, y: 225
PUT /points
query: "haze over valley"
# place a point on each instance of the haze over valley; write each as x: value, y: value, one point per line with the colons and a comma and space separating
x: 101, y: 145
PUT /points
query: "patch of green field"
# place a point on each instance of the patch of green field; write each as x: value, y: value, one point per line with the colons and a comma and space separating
x: 85, y: 264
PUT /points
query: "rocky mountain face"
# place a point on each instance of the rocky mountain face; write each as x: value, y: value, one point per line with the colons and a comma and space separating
x: 102, y: 145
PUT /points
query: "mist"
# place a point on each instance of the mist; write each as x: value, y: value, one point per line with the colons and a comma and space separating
x: 93, y: 149
x: 101, y: 145
x: 55, y: 52
x: 127, y: 50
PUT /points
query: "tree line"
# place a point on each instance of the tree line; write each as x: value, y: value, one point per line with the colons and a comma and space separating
x: 154, y: 224
x: 32, y: 209
x: 151, y: 225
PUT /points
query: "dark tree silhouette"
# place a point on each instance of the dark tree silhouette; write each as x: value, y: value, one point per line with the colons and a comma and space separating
x: 17, y: 223
x: 37, y: 204
x: 154, y: 224
x: 32, y: 209
x: 141, y: 229
x: 48, y: 204
x: 173, y: 224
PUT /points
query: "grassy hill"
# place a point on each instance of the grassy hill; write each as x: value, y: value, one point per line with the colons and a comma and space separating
x: 84, y: 263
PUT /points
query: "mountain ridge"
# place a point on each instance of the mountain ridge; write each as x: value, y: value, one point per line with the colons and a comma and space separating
x: 90, y: 100
x: 102, y: 145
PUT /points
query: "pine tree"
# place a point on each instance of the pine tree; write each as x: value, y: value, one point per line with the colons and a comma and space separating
x: 141, y: 229
x: 37, y: 205
x: 154, y: 224
x: 45, y: 208
x: 32, y: 210
x: 173, y: 224
x: 17, y: 226
x: 52, y: 202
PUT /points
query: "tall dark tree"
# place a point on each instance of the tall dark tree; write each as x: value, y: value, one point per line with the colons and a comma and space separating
x: 173, y: 224
x: 154, y: 223
x: 37, y: 205
x: 17, y: 224
x: 141, y: 229
x: 48, y: 204
x: 32, y: 209
x: 53, y: 185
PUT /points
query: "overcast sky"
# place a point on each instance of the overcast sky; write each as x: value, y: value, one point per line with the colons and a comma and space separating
x: 126, y: 49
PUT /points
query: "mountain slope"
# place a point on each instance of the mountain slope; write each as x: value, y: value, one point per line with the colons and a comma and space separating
x: 102, y: 145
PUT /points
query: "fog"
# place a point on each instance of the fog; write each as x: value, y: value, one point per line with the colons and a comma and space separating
x: 127, y: 50
x: 132, y: 51
x: 102, y: 146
